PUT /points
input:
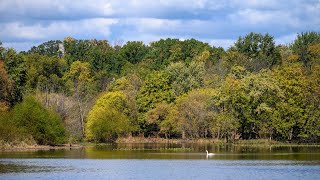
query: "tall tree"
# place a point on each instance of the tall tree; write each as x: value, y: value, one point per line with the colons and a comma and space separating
x: 81, y: 85
x: 5, y: 86
x: 185, y: 78
x: 133, y: 51
x: 252, y: 100
x: 299, y: 107
x: 49, y: 48
x: 193, y: 113
x: 16, y: 69
x: 261, y: 49
x: 44, y: 72
x: 301, y: 47
x: 155, y: 89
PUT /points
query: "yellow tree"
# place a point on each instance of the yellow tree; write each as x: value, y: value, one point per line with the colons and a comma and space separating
x: 108, y: 118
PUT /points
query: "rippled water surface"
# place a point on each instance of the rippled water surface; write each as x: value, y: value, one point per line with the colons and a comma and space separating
x: 164, y: 161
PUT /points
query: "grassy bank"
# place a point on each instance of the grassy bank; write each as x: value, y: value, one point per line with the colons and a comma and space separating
x: 29, y: 145
x: 163, y: 140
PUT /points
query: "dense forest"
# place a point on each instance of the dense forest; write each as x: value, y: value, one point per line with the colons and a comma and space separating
x: 75, y: 90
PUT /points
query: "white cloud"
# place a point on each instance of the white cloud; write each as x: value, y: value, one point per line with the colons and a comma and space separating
x: 257, y: 3
x: 214, y: 21
x: 146, y: 38
x: 225, y: 43
x: 50, y: 9
x: 152, y: 24
x: 58, y: 29
x: 264, y: 17
x: 186, y: 28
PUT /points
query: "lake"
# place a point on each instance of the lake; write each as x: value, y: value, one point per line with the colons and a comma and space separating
x: 164, y: 161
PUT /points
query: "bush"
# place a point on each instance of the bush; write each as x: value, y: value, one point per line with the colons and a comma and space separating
x: 10, y: 134
x: 42, y: 124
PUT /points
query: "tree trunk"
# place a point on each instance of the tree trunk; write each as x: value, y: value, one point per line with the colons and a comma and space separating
x: 227, y: 137
x: 47, y: 99
x: 81, y: 114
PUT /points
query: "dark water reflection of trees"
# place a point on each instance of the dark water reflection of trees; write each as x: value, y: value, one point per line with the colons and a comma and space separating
x: 176, y: 151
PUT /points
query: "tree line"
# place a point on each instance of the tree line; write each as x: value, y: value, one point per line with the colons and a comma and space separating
x: 75, y: 90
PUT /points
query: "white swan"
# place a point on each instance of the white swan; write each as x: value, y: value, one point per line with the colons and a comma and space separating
x: 209, y: 154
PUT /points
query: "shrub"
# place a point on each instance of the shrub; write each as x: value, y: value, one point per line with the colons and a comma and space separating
x: 42, y: 124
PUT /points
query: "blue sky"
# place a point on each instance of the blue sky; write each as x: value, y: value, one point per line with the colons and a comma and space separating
x: 25, y: 23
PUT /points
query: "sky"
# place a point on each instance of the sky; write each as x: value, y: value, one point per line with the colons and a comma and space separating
x: 26, y: 23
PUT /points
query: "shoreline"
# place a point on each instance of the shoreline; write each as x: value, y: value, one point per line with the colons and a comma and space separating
x: 253, y: 142
x: 142, y: 140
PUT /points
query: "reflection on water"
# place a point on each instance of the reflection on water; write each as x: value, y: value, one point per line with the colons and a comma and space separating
x: 6, y: 167
x: 164, y: 161
x: 17, y: 166
x: 176, y: 151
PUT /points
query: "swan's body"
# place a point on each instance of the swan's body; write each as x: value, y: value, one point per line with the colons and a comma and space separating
x: 209, y: 154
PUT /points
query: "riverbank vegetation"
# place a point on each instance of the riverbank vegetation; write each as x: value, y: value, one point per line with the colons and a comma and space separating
x: 75, y: 90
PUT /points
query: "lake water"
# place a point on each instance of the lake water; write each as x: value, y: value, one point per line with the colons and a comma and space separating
x: 164, y: 161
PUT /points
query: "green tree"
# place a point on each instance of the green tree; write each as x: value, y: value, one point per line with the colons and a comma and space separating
x: 160, y: 52
x: 49, y: 48
x: 301, y: 47
x: 133, y: 51
x: 185, y: 78
x: 252, y: 100
x: 261, y: 48
x: 192, y: 48
x: 155, y: 89
x: 130, y: 86
x: 44, y: 72
x: 5, y: 88
x: 299, y: 108
x: 16, y: 69
x: 103, y: 57
x: 311, y: 127
x: 76, y: 50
